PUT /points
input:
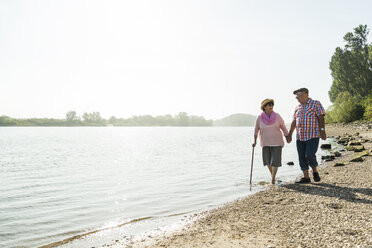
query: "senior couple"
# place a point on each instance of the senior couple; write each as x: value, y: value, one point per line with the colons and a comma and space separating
x: 308, y: 120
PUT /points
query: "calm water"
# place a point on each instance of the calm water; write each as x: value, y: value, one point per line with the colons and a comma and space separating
x: 56, y: 183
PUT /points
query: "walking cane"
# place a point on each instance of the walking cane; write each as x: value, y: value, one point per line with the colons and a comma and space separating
x: 250, y: 181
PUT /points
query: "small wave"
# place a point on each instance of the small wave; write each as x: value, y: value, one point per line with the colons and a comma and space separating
x: 68, y: 240
x: 75, y: 237
x: 173, y: 215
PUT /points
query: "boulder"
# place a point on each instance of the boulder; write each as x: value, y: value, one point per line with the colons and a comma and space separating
x: 343, y: 141
x: 337, y: 154
x: 339, y: 164
x: 328, y: 158
x: 359, y: 148
x: 325, y: 146
x: 354, y: 143
x: 350, y: 148
x: 357, y: 159
x: 362, y: 154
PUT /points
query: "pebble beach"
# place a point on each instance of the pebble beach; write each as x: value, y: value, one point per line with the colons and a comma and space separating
x: 336, y: 212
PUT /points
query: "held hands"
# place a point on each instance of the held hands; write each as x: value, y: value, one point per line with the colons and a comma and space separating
x: 323, y: 135
x: 288, y: 138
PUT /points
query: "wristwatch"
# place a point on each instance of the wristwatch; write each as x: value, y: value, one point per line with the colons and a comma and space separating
x: 322, y: 129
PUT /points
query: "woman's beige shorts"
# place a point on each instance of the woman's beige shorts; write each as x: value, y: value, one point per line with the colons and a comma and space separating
x: 272, y: 155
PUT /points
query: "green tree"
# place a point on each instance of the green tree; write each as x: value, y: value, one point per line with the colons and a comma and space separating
x: 367, y: 104
x: 112, y: 120
x: 346, y: 108
x: 236, y: 120
x: 7, y: 121
x: 165, y: 120
x: 93, y: 118
x: 71, y: 116
x: 351, y: 67
x: 182, y: 119
x: 199, y: 121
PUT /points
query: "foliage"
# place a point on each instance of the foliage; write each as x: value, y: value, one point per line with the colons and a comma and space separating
x: 72, y: 119
x: 351, y: 67
x: 236, y: 120
x: 182, y: 119
x: 367, y: 104
x: 93, y: 118
x: 7, y: 121
x: 351, y: 70
x: 72, y: 116
x: 346, y: 108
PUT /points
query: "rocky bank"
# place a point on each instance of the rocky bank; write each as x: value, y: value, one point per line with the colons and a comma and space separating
x: 336, y: 212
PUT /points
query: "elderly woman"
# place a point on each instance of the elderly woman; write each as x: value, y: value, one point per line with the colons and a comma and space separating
x: 271, y: 127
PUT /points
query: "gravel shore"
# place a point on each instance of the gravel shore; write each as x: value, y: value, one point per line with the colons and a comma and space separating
x: 335, y: 212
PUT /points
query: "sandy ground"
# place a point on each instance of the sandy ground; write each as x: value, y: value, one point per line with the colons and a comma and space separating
x: 336, y: 212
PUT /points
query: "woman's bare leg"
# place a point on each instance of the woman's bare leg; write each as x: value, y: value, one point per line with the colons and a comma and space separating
x: 270, y: 169
x: 274, y: 170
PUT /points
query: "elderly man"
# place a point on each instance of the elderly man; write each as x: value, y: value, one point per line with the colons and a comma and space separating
x: 308, y: 119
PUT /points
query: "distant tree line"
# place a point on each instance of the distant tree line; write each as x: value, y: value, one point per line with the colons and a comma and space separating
x: 182, y: 119
x: 351, y: 70
x: 95, y: 119
x: 237, y: 120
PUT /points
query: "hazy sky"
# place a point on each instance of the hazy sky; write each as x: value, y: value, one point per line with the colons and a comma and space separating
x: 210, y: 58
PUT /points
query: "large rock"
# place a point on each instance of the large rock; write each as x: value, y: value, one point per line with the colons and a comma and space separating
x: 355, y: 148
x: 337, y: 154
x: 343, y: 141
x: 361, y: 154
x: 357, y: 159
x: 325, y: 146
x: 350, y: 148
x: 359, y: 148
x: 328, y: 158
x: 339, y: 164
x: 354, y: 143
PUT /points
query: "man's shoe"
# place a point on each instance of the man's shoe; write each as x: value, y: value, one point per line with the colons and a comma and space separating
x: 304, y: 180
x: 316, y: 176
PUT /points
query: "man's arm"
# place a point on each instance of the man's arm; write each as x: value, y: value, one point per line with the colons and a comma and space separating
x: 323, y: 134
x: 293, y: 126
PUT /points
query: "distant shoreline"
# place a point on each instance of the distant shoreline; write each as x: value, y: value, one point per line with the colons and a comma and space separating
x: 125, y: 126
x: 95, y: 120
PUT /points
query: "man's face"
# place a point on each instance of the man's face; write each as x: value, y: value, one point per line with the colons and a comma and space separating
x: 301, y: 97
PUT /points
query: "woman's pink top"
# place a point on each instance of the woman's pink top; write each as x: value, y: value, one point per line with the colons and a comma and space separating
x: 270, y: 135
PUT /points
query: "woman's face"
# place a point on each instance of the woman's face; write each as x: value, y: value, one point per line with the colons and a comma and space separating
x: 269, y: 107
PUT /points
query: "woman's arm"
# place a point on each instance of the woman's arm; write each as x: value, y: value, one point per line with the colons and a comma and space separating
x: 282, y: 126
